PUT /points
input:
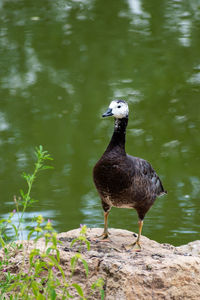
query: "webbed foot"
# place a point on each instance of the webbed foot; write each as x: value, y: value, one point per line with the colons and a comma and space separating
x: 104, y: 237
x: 133, y: 247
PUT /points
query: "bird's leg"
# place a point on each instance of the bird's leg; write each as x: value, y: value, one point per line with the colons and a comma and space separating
x: 136, y: 245
x: 105, y: 233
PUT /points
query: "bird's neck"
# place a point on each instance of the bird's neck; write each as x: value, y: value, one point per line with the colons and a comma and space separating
x: 118, y: 139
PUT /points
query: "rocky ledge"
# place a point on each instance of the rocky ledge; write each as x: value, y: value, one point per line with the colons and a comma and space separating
x: 158, y: 271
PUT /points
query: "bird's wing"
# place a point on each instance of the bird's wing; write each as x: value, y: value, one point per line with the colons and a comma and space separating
x: 143, y: 168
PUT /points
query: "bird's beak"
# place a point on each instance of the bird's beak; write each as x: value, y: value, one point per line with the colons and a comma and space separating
x: 108, y: 113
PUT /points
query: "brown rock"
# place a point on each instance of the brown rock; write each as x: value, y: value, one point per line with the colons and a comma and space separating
x: 158, y: 271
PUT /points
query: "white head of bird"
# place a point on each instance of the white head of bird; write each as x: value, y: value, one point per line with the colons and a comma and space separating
x: 118, y: 109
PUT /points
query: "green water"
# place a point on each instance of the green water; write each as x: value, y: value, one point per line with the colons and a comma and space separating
x: 61, y: 63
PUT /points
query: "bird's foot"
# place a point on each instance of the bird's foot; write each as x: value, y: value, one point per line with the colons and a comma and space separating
x: 103, y: 237
x: 133, y: 247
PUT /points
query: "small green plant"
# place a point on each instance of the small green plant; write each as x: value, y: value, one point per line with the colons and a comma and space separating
x: 42, y: 276
x: 81, y: 240
x: 25, y: 200
x: 99, y: 285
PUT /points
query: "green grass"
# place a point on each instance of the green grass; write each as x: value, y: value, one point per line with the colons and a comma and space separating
x: 39, y: 274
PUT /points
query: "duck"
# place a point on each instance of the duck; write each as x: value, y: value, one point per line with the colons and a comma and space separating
x: 122, y: 180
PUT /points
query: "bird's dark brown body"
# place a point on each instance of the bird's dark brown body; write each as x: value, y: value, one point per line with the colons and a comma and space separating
x: 127, y: 182
x: 123, y: 180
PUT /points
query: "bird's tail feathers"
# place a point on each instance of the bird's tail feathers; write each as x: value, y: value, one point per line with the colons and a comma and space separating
x: 163, y: 193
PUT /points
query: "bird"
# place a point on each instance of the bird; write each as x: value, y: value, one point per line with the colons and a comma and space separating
x: 122, y: 180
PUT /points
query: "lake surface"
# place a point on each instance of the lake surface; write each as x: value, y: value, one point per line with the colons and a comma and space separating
x: 61, y: 63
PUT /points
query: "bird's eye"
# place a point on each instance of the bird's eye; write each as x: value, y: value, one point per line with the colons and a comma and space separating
x: 118, y: 106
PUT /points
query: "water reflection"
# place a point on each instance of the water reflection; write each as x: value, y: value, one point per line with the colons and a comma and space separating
x: 92, y: 210
x: 29, y: 220
x: 4, y: 125
x: 61, y: 64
